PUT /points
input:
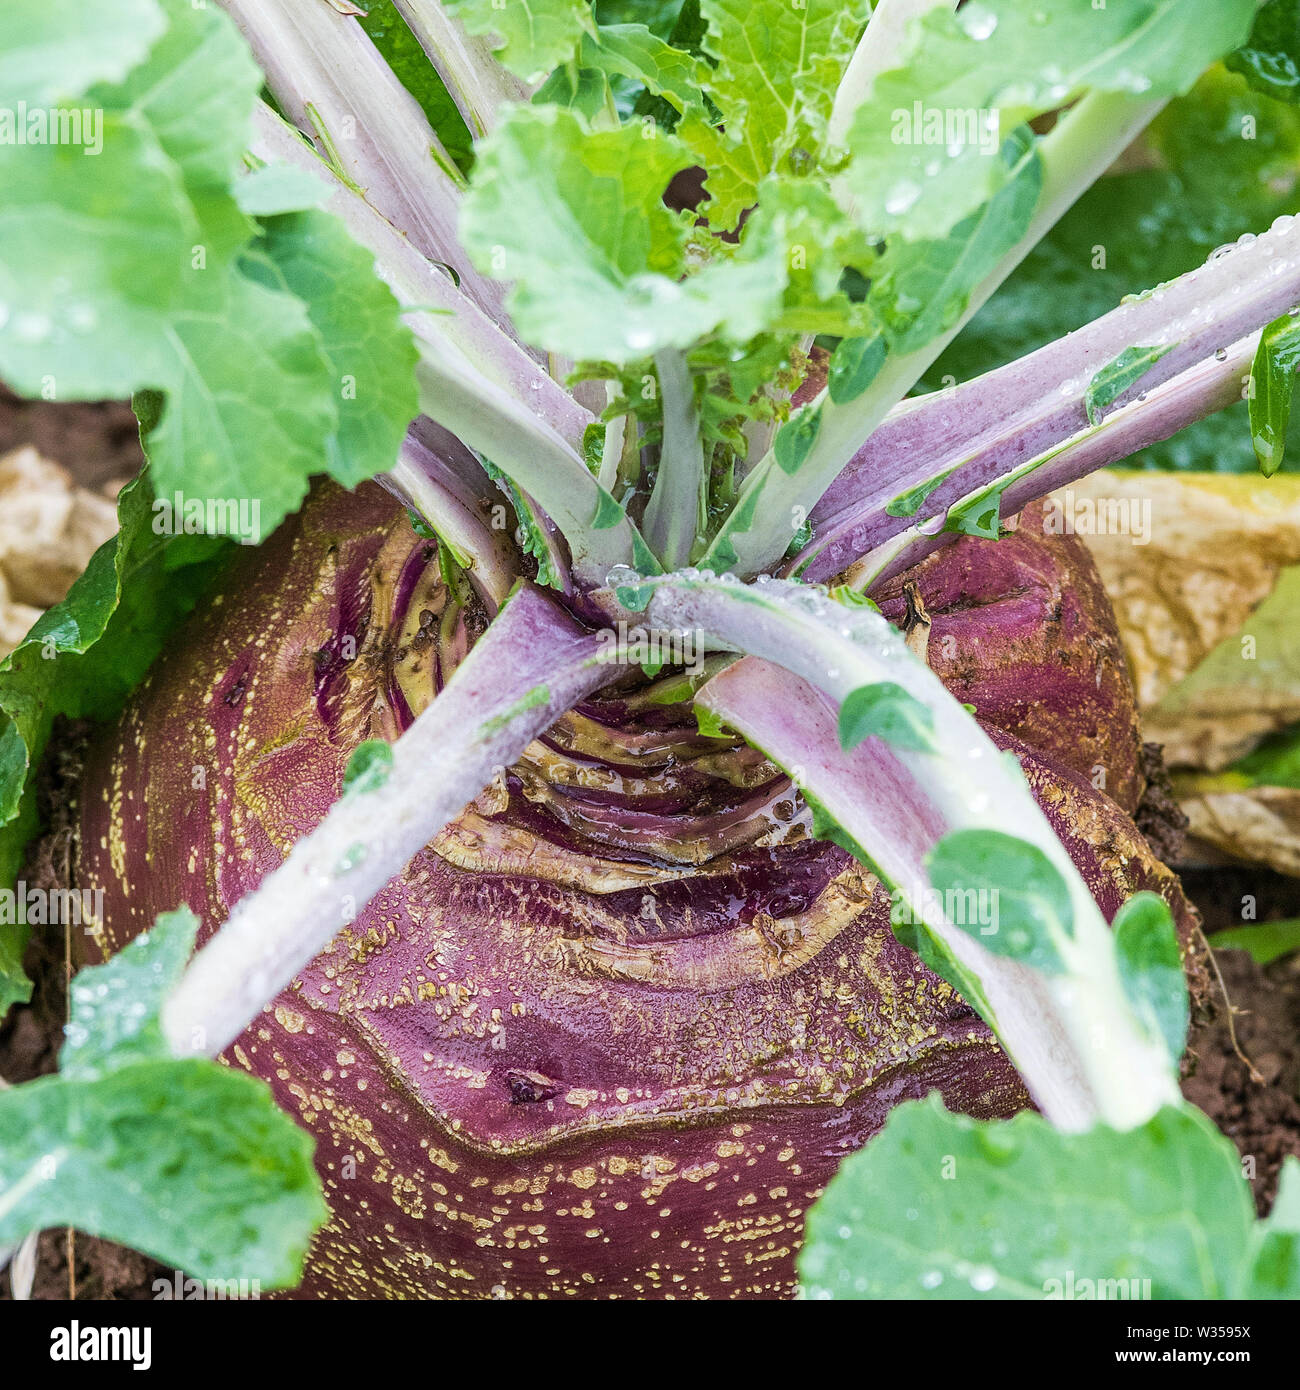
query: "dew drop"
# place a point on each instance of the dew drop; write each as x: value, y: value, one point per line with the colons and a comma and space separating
x: 901, y: 197
x: 978, y: 22
x: 32, y: 328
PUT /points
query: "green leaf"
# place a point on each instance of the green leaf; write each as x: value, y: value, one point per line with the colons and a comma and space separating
x: 185, y: 1160
x: 249, y: 403
x: 1265, y: 941
x: 661, y: 16
x: 1275, y: 1272
x: 115, y: 1007
x: 576, y: 219
x: 826, y: 827
x: 533, y: 36
x: 910, y: 502
x: 776, y: 69
x: 710, y: 724
x: 81, y: 660
x: 196, y: 94
x: 942, y: 1206
x: 795, y: 439
x: 585, y: 90
x: 532, y: 537
x: 787, y: 276
x: 1273, y: 377
x: 980, y: 514
x: 633, y: 52
x: 279, y: 188
x: 855, y: 363
x: 53, y: 50
x: 609, y: 512
x: 1151, y: 968
x: 1129, y: 367
x: 370, y: 350
x: 853, y: 598
x: 411, y: 66
x: 93, y: 267
x: 452, y: 564
x: 368, y: 767
x: 923, y: 141
x: 644, y: 559
x: 1032, y: 913
x: 889, y: 712
x: 1270, y: 57
x: 128, y: 272
x: 634, y: 597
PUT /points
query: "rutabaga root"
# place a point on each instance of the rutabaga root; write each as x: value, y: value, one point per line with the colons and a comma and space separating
x: 613, y: 1029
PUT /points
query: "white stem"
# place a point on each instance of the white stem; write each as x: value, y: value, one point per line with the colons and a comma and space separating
x: 332, y: 83
x: 611, y: 454
x: 672, y: 514
x: 420, y: 283
x: 1210, y: 385
x: 497, y: 426
x: 491, y: 568
x: 478, y: 84
x: 532, y: 665
x: 877, y: 52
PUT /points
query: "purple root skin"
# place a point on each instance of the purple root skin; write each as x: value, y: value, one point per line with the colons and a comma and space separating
x: 613, y: 1030
x: 1022, y: 629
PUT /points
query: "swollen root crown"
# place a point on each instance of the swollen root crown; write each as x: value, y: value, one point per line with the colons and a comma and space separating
x: 612, y: 1031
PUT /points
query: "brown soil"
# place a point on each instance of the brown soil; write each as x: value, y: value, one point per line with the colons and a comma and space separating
x: 1262, y: 1117
x: 97, y: 442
